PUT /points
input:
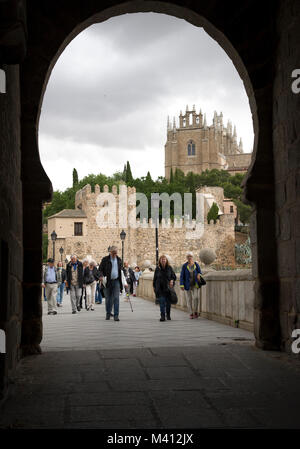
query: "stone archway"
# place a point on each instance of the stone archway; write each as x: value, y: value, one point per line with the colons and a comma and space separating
x: 249, y: 40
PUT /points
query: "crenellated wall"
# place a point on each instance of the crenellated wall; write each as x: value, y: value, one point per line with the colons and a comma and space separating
x: 174, y: 240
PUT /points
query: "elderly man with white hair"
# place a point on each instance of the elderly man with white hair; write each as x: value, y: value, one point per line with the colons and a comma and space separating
x: 74, y: 272
x: 90, y: 279
x: 190, y: 283
x: 111, y: 268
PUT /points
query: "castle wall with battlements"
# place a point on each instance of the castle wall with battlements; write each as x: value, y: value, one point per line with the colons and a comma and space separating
x: 174, y: 239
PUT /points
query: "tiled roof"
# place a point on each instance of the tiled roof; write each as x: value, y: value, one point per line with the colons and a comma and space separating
x: 70, y: 213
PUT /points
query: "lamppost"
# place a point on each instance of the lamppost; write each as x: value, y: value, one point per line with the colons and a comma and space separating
x: 123, y: 236
x: 53, y: 238
x: 155, y: 208
x: 61, y: 250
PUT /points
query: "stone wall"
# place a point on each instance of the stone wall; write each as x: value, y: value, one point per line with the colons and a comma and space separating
x: 286, y: 137
x: 11, y: 238
x: 228, y: 297
x: 140, y: 242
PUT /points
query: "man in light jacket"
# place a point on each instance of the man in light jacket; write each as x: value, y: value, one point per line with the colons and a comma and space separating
x: 190, y: 283
x: 50, y: 284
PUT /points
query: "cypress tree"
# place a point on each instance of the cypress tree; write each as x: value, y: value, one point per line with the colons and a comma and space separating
x: 129, y: 177
x: 75, y: 177
x: 124, y: 173
x: 213, y: 213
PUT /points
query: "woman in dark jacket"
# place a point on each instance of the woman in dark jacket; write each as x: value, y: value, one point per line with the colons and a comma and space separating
x: 164, y: 277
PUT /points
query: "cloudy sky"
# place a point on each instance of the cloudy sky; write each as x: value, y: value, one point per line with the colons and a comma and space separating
x: 111, y: 90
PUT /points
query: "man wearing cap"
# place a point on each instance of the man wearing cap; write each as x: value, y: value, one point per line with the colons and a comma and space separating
x: 110, y: 267
x: 50, y: 285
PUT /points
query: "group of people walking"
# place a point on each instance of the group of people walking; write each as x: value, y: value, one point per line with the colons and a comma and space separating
x: 87, y: 280
x: 110, y: 278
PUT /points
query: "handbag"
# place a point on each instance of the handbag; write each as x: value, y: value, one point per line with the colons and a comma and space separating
x: 202, y: 281
x: 172, y: 295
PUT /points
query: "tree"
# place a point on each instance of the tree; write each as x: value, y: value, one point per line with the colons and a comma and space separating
x: 213, y: 213
x: 124, y: 173
x: 171, y: 176
x: 129, y: 177
x: 244, y: 211
x: 75, y: 177
x: 45, y: 247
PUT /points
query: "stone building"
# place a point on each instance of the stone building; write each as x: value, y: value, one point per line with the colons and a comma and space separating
x: 78, y: 231
x: 194, y: 146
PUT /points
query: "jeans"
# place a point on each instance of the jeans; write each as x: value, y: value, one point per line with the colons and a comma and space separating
x: 98, y: 296
x: 165, y: 305
x: 60, y: 293
x: 112, y: 297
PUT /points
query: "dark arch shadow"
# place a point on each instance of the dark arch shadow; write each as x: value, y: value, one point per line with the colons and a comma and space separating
x: 239, y: 32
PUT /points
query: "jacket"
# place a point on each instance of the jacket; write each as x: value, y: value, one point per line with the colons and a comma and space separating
x: 185, y: 276
x: 131, y: 278
x: 161, y: 280
x: 105, y: 271
x: 61, y: 275
x: 90, y: 276
x: 80, y: 273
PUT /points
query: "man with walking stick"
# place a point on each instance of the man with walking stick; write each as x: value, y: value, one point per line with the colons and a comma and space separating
x: 111, y: 268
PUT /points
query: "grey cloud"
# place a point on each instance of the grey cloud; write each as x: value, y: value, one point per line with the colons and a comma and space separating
x: 145, y: 63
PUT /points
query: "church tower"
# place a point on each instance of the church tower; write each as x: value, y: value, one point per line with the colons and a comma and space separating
x: 193, y: 146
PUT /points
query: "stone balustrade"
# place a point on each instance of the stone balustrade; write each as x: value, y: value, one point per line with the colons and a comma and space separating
x: 227, y: 297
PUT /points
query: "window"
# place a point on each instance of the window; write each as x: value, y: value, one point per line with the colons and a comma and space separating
x: 78, y: 228
x: 231, y: 209
x: 191, y: 148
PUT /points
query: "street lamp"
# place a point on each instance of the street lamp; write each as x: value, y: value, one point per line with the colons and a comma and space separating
x: 61, y: 250
x: 155, y: 208
x: 53, y: 238
x: 123, y: 236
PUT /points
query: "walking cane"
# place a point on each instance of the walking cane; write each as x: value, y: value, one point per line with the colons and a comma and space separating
x: 128, y: 296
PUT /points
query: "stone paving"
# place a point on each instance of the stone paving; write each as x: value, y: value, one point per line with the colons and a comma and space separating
x: 140, y: 373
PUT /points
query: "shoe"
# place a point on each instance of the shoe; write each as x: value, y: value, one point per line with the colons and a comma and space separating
x: 108, y: 317
x: 195, y: 315
x: 58, y: 305
x: 162, y: 318
x: 92, y: 308
x: 78, y: 309
x: 134, y: 295
x: 74, y: 311
x: 191, y: 316
x: 168, y: 317
x: 54, y: 312
x: 111, y: 314
x: 50, y: 313
x: 116, y: 318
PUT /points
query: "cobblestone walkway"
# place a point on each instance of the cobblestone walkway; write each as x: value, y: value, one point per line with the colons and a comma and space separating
x: 140, y: 373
